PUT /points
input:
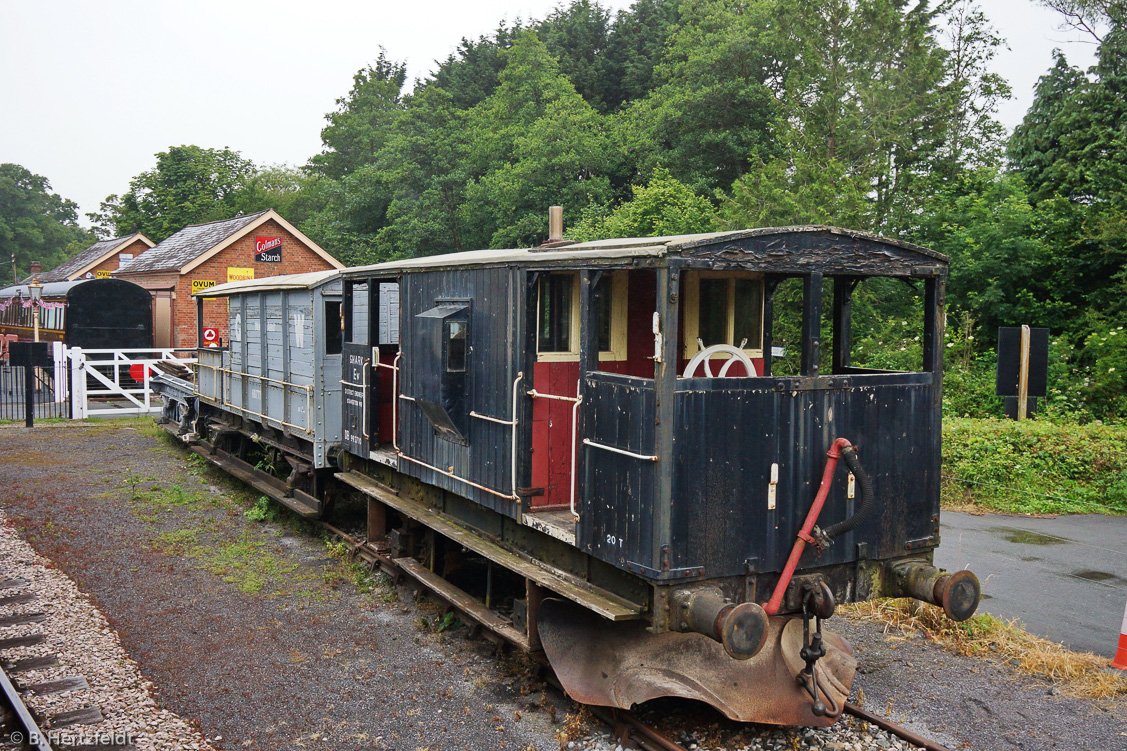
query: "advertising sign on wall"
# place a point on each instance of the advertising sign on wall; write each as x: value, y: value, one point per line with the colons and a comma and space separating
x: 236, y: 274
x: 267, y: 249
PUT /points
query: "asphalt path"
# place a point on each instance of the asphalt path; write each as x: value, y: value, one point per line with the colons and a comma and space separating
x: 1065, y: 578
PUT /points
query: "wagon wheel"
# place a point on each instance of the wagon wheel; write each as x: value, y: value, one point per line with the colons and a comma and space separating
x: 735, y: 354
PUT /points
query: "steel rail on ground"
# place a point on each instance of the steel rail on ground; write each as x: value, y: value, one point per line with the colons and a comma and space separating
x: 33, y: 736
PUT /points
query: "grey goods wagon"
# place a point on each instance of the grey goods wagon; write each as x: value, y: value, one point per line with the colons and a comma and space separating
x: 280, y: 374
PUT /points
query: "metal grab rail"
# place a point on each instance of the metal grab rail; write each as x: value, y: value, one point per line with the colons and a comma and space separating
x: 576, y: 401
x: 615, y: 449
x: 514, y: 496
x: 308, y: 388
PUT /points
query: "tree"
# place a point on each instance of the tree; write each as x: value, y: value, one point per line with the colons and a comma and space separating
x: 536, y: 142
x: 188, y: 185
x: 36, y: 224
x: 364, y: 119
x: 426, y: 164
x: 797, y: 189
x: 471, y: 74
x: 577, y: 36
x: 1038, y: 148
x: 1002, y: 253
x: 977, y: 138
x: 1087, y: 15
x: 662, y: 207
x: 636, y: 45
x: 713, y: 109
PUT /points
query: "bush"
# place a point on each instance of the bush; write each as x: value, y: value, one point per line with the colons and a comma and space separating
x: 1035, y: 466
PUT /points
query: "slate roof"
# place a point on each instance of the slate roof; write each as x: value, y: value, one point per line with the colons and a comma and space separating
x: 188, y: 244
x: 84, y: 258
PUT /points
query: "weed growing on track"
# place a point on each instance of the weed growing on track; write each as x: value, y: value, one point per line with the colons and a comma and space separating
x: 262, y: 510
x: 575, y: 725
x: 1079, y: 674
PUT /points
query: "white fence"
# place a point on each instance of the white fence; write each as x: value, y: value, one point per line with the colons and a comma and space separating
x: 105, y: 381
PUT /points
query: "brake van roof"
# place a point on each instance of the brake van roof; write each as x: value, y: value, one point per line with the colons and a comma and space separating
x: 768, y: 245
x: 307, y: 280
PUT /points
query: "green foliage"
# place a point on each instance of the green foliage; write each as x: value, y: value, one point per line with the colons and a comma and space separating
x: 36, y: 224
x: 363, y: 120
x: 1103, y: 367
x: 188, y: 185
x: 263, y: 510
x: 536, y: 142
x: 663, y: 207
x: 1082, y: 468
x: 1002, y: 261
x: 796, y: 190
x: 713, y: 109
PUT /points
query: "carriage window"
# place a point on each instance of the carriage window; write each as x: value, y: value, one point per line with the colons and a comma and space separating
x: 558, y: 316
x: 334, y: 336
x: 457, y: 340
x: 555, y: 305
x: 723, y: 308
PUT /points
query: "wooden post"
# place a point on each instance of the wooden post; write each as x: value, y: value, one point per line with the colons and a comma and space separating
x: 1023, y: 375
x: 377, y: 520
x: 811, y: 323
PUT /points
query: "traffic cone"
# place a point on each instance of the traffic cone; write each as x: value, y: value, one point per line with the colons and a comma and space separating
x: 1120, y: 660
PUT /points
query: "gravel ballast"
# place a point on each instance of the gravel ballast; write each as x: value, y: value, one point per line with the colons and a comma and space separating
x: 84, y: 646
x: 248, y: 631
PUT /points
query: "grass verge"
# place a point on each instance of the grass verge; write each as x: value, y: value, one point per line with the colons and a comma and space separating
x: 1079, y: 674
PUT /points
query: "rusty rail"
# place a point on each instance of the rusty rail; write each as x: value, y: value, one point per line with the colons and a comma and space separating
x: 892, y: 727
x: 629, y: 729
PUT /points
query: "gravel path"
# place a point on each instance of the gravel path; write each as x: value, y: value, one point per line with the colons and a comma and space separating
x: 263, y: 641
x: 254, y: 633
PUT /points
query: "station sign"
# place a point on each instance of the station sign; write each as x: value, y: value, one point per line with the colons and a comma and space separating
x: 236, y: 274
x: 267, y: 249
x: 199, y: 285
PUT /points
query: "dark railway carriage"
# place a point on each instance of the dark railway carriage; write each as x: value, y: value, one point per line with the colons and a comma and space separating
x: 604, y: 425
x: 87, y: 313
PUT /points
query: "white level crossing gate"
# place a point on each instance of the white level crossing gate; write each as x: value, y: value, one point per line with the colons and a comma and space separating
x: 115, y: 382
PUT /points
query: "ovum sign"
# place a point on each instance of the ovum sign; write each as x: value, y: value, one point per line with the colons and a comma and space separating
x: 267, y: 249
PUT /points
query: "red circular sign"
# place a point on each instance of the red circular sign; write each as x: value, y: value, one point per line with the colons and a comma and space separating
x: 137, y: 372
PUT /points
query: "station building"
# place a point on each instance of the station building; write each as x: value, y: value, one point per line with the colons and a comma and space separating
x: 96, y: 262
x: 202, y: 255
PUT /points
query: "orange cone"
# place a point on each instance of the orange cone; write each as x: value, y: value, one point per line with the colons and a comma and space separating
x: 1120, y: 660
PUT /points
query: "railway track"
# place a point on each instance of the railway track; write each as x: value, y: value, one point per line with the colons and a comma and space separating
x: 19, y: 727
x: 628, y: 729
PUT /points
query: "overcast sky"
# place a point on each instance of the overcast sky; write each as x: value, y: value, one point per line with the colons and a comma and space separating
x: 90, y: 90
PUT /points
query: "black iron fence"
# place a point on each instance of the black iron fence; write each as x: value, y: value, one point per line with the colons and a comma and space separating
x: 49, y: 392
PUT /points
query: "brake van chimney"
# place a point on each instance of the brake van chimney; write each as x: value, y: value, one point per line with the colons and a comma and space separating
x: 555, y: 223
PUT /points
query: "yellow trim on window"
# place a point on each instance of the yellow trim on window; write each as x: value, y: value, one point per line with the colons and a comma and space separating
x: 618, y: 313
x: 692, y: 311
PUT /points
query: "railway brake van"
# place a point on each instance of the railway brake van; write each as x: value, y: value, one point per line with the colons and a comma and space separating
x: 589, y: 448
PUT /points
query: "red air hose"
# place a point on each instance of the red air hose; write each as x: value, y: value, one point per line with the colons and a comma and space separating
x: 804, y: 537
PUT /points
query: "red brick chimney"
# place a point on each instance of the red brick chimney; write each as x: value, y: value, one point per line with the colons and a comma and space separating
x: 36, y: 268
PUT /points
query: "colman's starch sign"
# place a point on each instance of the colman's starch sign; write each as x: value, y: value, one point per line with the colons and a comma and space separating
x: 267, y: 249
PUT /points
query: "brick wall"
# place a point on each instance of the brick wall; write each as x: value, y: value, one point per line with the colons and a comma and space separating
x: 297, y: 258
